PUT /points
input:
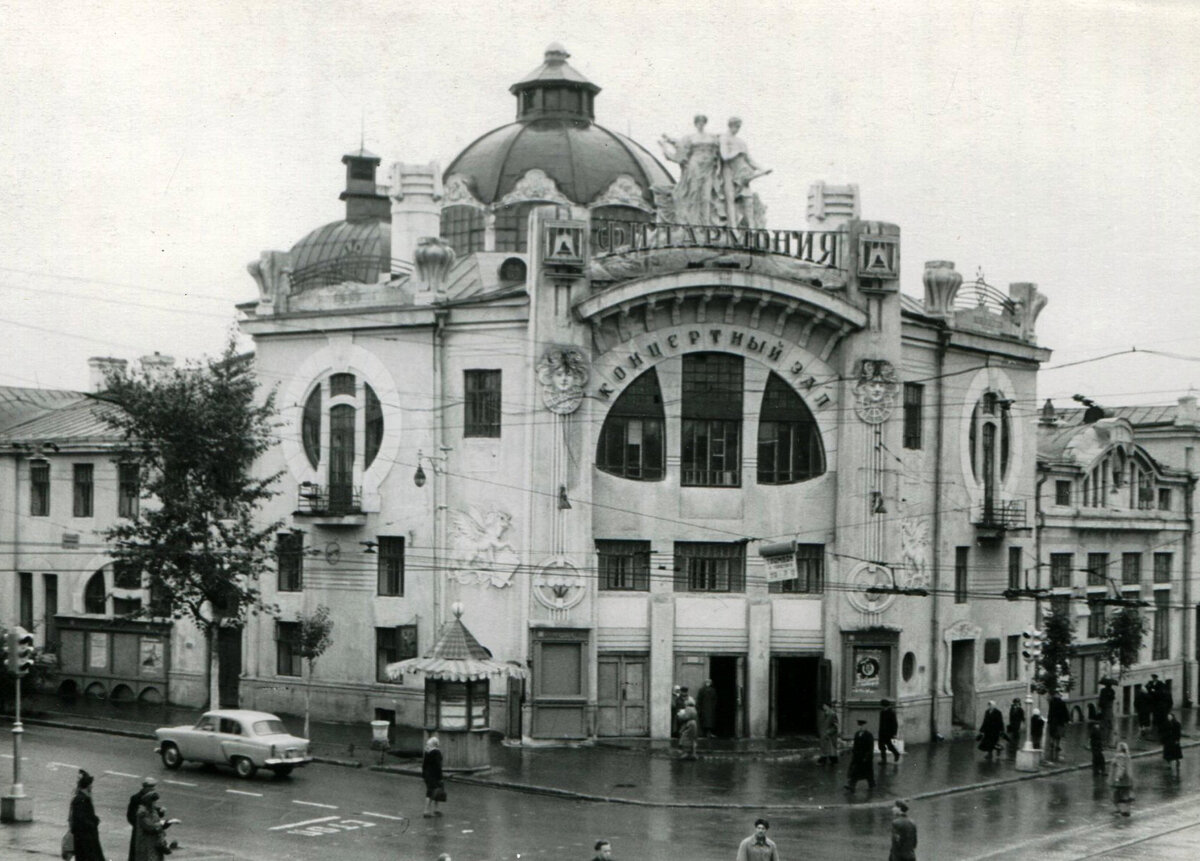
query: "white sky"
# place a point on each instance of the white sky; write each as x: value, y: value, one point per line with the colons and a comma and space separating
x: 151, y: 150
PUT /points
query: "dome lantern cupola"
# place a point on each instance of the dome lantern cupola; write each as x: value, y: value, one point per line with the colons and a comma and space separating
x: 555, y: 90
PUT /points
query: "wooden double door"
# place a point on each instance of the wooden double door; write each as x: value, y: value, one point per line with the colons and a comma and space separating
x: 622, y: 696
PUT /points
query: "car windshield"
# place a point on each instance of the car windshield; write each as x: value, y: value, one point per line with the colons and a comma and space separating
x: 269, y: 727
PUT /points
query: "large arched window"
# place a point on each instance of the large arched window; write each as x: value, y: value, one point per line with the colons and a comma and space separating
x: 990, y: 441
x: 631, y: 441
x: 95, y: 594
x: 789, y: 445
x: 710, y: 451
x: 462, y: 228
x: 335, y: 403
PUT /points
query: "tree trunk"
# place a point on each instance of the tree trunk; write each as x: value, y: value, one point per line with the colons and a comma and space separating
x: 214, y: 669
x: 307, y: 696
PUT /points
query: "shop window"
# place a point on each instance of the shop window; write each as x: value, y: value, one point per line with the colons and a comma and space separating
x: 704, y: 567
x: 623, y: 565
x: 393, y: 644
x: 289, y: 561
x: 462, y: 228
x: 1131, y: 569
x: 390, y: 565
x: 287, y: 649
x: 560, y: 670
x: 914, y: 396
x: 83, y: 486
x: 712, y: 420
x: 1097, y: 565
x: 810, y: 572
x: 481, y: 414
x: 39, y: 488
x: 1060, y: 570
x: 631, y: 441
x: 789, y: 444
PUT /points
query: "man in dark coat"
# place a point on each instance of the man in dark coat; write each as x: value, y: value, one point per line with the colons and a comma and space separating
x: 1162, y: 706
x: 706, y: 705
x: 1172, y: 750
x: 677, y: 703
x: 1016, y: 720
x: 83, y: 822
x: 889, y: 728
x: 131, y: 812
x: 1107, y: 699
x: 862, y: 754
x: 904, y: 834
x: 1036, y: 724
x: 1056, y: 725
x: 991, y: 730
x: 1141, y: 707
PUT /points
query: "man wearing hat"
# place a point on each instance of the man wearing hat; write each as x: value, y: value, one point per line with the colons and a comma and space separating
x: 861, y: 754
x: 889, y: 728
x: 904, y: 833
x: 135, y: 801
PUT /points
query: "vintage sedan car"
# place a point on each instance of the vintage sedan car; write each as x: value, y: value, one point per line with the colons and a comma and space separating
x: 247, y: 740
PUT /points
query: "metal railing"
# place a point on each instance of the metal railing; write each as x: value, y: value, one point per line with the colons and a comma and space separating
x: 322, y: 499
x: 1000, y: 514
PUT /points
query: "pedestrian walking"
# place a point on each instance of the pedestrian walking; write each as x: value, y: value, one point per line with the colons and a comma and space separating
x: 1122, y: 780
x: 1096, y: 746
x: 1056, y: 725
x: 862, y: 754
x: 830, y: 731
x: 1141, y: 707
x: 758, y: 846
x: 1108, y: 701
x: 1016, y: 720
x: 706, y: 705
x: 83, y: 822
x: 904, y: 834
x: 1037, y: 724
x: 889, y: 728
x: 990, y: 730
x: 150, y: 839
x: 688, y: 728
x: 1171, y: 734
x: 677, y: 703
x: 1164, y: 705
x: 131, y: 811
x: 431, y: 773
x: 603, y: 851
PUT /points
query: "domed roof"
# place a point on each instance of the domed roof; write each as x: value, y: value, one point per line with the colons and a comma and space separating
x: 555, y: 133
x: 359, y: 251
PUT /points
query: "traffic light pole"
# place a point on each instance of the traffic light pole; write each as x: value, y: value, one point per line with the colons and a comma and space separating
x: 16, y: 806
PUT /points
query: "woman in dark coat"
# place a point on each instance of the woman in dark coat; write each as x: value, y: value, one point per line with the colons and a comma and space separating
x: 431, y: 772
x: 83, y: 822
x: 1037, y: 724
x: 991, y: 729
x: 150, y: 838
x: 1172, y: 732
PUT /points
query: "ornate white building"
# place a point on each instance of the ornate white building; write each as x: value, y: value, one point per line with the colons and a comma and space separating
x: 640, y: 453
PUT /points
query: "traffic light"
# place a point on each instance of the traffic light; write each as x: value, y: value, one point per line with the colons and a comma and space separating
x: 1031, y: 642
x: 20, y: 651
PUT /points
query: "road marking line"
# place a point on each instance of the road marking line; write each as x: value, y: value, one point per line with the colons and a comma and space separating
x: 302, y: 824
x: 64, y: 765
x: 315, y: 804
x: 240, y: 792
x: 121, y: 774
x: 180, y: 783
x: 384, y: 816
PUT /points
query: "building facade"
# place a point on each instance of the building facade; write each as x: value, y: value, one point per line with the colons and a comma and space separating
x: 642, y: 438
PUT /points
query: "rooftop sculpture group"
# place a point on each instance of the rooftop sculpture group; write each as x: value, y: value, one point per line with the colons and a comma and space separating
x: 714, y: 182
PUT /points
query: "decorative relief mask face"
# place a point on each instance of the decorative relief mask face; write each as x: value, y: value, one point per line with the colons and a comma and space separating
x: 875, y: 391
x: 562, y: 374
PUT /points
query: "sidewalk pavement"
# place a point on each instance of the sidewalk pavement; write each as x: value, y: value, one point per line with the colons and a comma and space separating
x: 747, y: 774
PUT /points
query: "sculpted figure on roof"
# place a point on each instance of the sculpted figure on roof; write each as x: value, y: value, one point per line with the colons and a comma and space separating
x: 696, y: 195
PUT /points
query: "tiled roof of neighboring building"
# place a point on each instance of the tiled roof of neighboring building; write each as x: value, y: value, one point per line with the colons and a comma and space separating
x: 18, y: 405
x: 77, y: 422
x: 1136, y: 416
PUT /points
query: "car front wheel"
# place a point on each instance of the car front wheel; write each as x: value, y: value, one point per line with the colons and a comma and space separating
x: 170, y: 756
x: 244, y: 767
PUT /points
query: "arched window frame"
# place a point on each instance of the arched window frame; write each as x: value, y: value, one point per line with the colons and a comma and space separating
x: 632, y: 440
x: 790, y: 449
x: 356, y: 397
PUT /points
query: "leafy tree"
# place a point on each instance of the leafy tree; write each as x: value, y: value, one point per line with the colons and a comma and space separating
x: 316, y: 635
x: 1123, y: 638
x: 196, y: 432
x: 1053, y: 672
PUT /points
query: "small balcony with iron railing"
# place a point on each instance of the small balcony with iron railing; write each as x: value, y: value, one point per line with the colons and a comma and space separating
x: 330, y: 505
x: 994, y: 517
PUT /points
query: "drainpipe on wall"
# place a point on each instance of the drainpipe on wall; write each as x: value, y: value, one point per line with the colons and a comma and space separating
x: 1190, y: 510
x: 438, y: 466
x: 1039, y: 522
x: 934, y: 674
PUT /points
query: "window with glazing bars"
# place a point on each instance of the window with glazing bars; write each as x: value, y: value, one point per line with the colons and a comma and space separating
x: 1097, y: 621
x: 481, y: 409
x: 623, y: 565
x: 390, y: 564
x: 391, y: 645
x: 1015, y: 580
x: 83, y: 490
x: 704, y: 567
x: 1097, y: 569
x: 789, y: 445
x: 631, y: 441
x: 710, y: 450
x: 1162, y: 567
x: 1131, y: 569
x: 810, y: 572
x: 128, y: 489
x: 1162, y: 625
x: 287, y: 649
x: 289, y: 560
x: 914, y: 397
x: 1060, y: 569
x: 39, y: 488
x: 961, y: 559
x: 1012, y: 657
x: 1062, y: 492
x: 462, y: 229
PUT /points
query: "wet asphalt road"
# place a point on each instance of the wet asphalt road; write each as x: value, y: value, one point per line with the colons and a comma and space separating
x: 330, y: 813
